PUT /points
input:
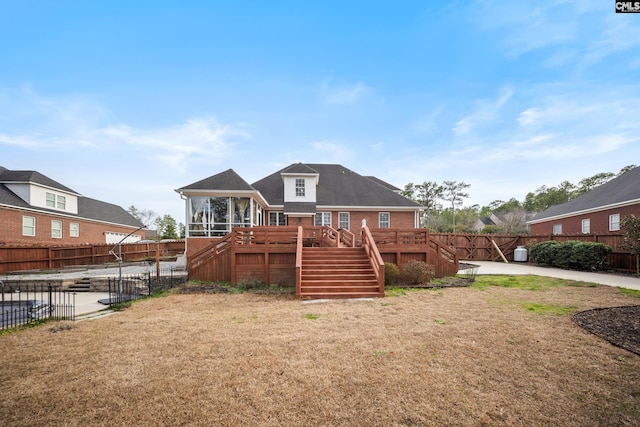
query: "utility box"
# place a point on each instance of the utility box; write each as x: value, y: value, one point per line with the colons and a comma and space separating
x: 520, y: 254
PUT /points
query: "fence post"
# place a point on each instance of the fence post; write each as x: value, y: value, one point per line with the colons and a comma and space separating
x: 50, y: 307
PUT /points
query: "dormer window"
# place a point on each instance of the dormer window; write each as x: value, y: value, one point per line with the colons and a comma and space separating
x: 51, y: 200
x: 300, y: 187
x: 56, y: 201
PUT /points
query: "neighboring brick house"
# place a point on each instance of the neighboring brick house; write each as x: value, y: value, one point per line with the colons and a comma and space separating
x: 598, y: 211
x: 35, y: 209
x: 300, y: 194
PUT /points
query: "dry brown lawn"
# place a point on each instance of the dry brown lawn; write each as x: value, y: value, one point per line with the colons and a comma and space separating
x: 484, y: 355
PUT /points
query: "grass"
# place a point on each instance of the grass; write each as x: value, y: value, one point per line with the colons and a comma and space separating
x: 531, y: 283
x: 503, y: 352
x: 631, y: 292
x: 552, y: 309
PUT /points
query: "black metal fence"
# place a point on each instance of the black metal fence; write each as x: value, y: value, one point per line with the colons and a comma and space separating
x: 131, y: 287
x: 23, y: 304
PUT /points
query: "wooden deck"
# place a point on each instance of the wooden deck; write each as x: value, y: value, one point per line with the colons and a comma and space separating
x: 288, y: 255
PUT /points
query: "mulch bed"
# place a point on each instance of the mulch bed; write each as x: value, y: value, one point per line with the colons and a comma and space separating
x: 618, y: 325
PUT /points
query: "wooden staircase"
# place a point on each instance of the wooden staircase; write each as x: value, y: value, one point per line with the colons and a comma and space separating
x: 342, y: 272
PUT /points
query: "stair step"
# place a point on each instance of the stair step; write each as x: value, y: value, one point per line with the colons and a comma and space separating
x: 337, y: 273
x: 336, y: 295
x: 323, y: 288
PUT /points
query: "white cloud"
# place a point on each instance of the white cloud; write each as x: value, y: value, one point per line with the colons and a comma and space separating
x: 485, y: 111
x: 68, y: 123
x: 344, y: 94
x: 331, y: 151
x: 620, y: 33
x: 201, y: 140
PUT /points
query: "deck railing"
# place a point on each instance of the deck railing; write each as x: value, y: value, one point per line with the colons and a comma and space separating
x: 369, y: 245
x: 299, y: 245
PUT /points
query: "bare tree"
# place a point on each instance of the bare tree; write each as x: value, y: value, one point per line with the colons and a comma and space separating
x: 453, y: 191
x: 145, y: 216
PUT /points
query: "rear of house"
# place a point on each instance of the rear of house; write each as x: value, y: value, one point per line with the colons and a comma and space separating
x: 298, y: 195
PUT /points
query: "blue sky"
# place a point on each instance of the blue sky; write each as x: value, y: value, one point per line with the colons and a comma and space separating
x: 127, y: 101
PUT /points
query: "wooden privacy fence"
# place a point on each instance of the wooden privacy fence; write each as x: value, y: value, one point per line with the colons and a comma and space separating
x: 480, y: 247
x: 24, y: 258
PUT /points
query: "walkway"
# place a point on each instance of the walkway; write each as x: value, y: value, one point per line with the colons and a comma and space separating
x: 517, y: 268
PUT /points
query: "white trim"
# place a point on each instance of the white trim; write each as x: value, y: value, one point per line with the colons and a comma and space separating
x: 585, y: 211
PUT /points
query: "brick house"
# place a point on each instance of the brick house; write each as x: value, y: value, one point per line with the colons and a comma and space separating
x: 598, y: 211
x: 35, y: 209
x: 300, y: 194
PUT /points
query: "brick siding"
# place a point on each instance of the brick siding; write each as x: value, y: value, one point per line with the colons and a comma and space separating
x: 599, y: 222
x: 89, y: 231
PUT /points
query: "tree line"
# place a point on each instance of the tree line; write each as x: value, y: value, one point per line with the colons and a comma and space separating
x: 166, y: 226
x: 444, y: 211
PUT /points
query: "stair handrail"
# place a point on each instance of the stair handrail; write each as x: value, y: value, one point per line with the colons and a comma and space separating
x: 299, y: 261
x: 444, y: 251
x: 347, y: 237
x: 212, y: 251
x: 375, y: 258
x: 330, y: 236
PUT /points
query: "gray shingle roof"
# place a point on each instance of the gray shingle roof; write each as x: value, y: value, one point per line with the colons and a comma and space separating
x: 383, y: 183
x: 227, y: 180
x: 87, y: 208
x: 337, y: 186
x: 299, y: 208
x: 7, y: 175
x: 299, y: 168
x: 625, y: 188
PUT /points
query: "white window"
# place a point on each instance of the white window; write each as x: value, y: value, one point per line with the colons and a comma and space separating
x: 56, y: 229
x: 343, y: 220
x: 557, y: 228
x: 299, y: 187
x: 384, y: 220
x: 51, y: 200
x: 276, y: 218
x: 323, y: 218
x: 74, y: 229
x: 28, y: 226
x: 614, y: 222
x: 586, y: 226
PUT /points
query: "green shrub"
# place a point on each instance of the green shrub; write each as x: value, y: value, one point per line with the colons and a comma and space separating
x: 572, y: 254
x: 391, y: 273
x: 544, y: 252
x: 416, y: 273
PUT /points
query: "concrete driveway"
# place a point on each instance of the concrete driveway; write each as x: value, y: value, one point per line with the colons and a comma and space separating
x: 519, y: 268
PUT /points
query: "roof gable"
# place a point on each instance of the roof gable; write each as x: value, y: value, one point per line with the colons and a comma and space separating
x: 299, y: 168
x: 337, y: 186
x: 622, y: 189
x: 228, y: 180
x: 23, y: 177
